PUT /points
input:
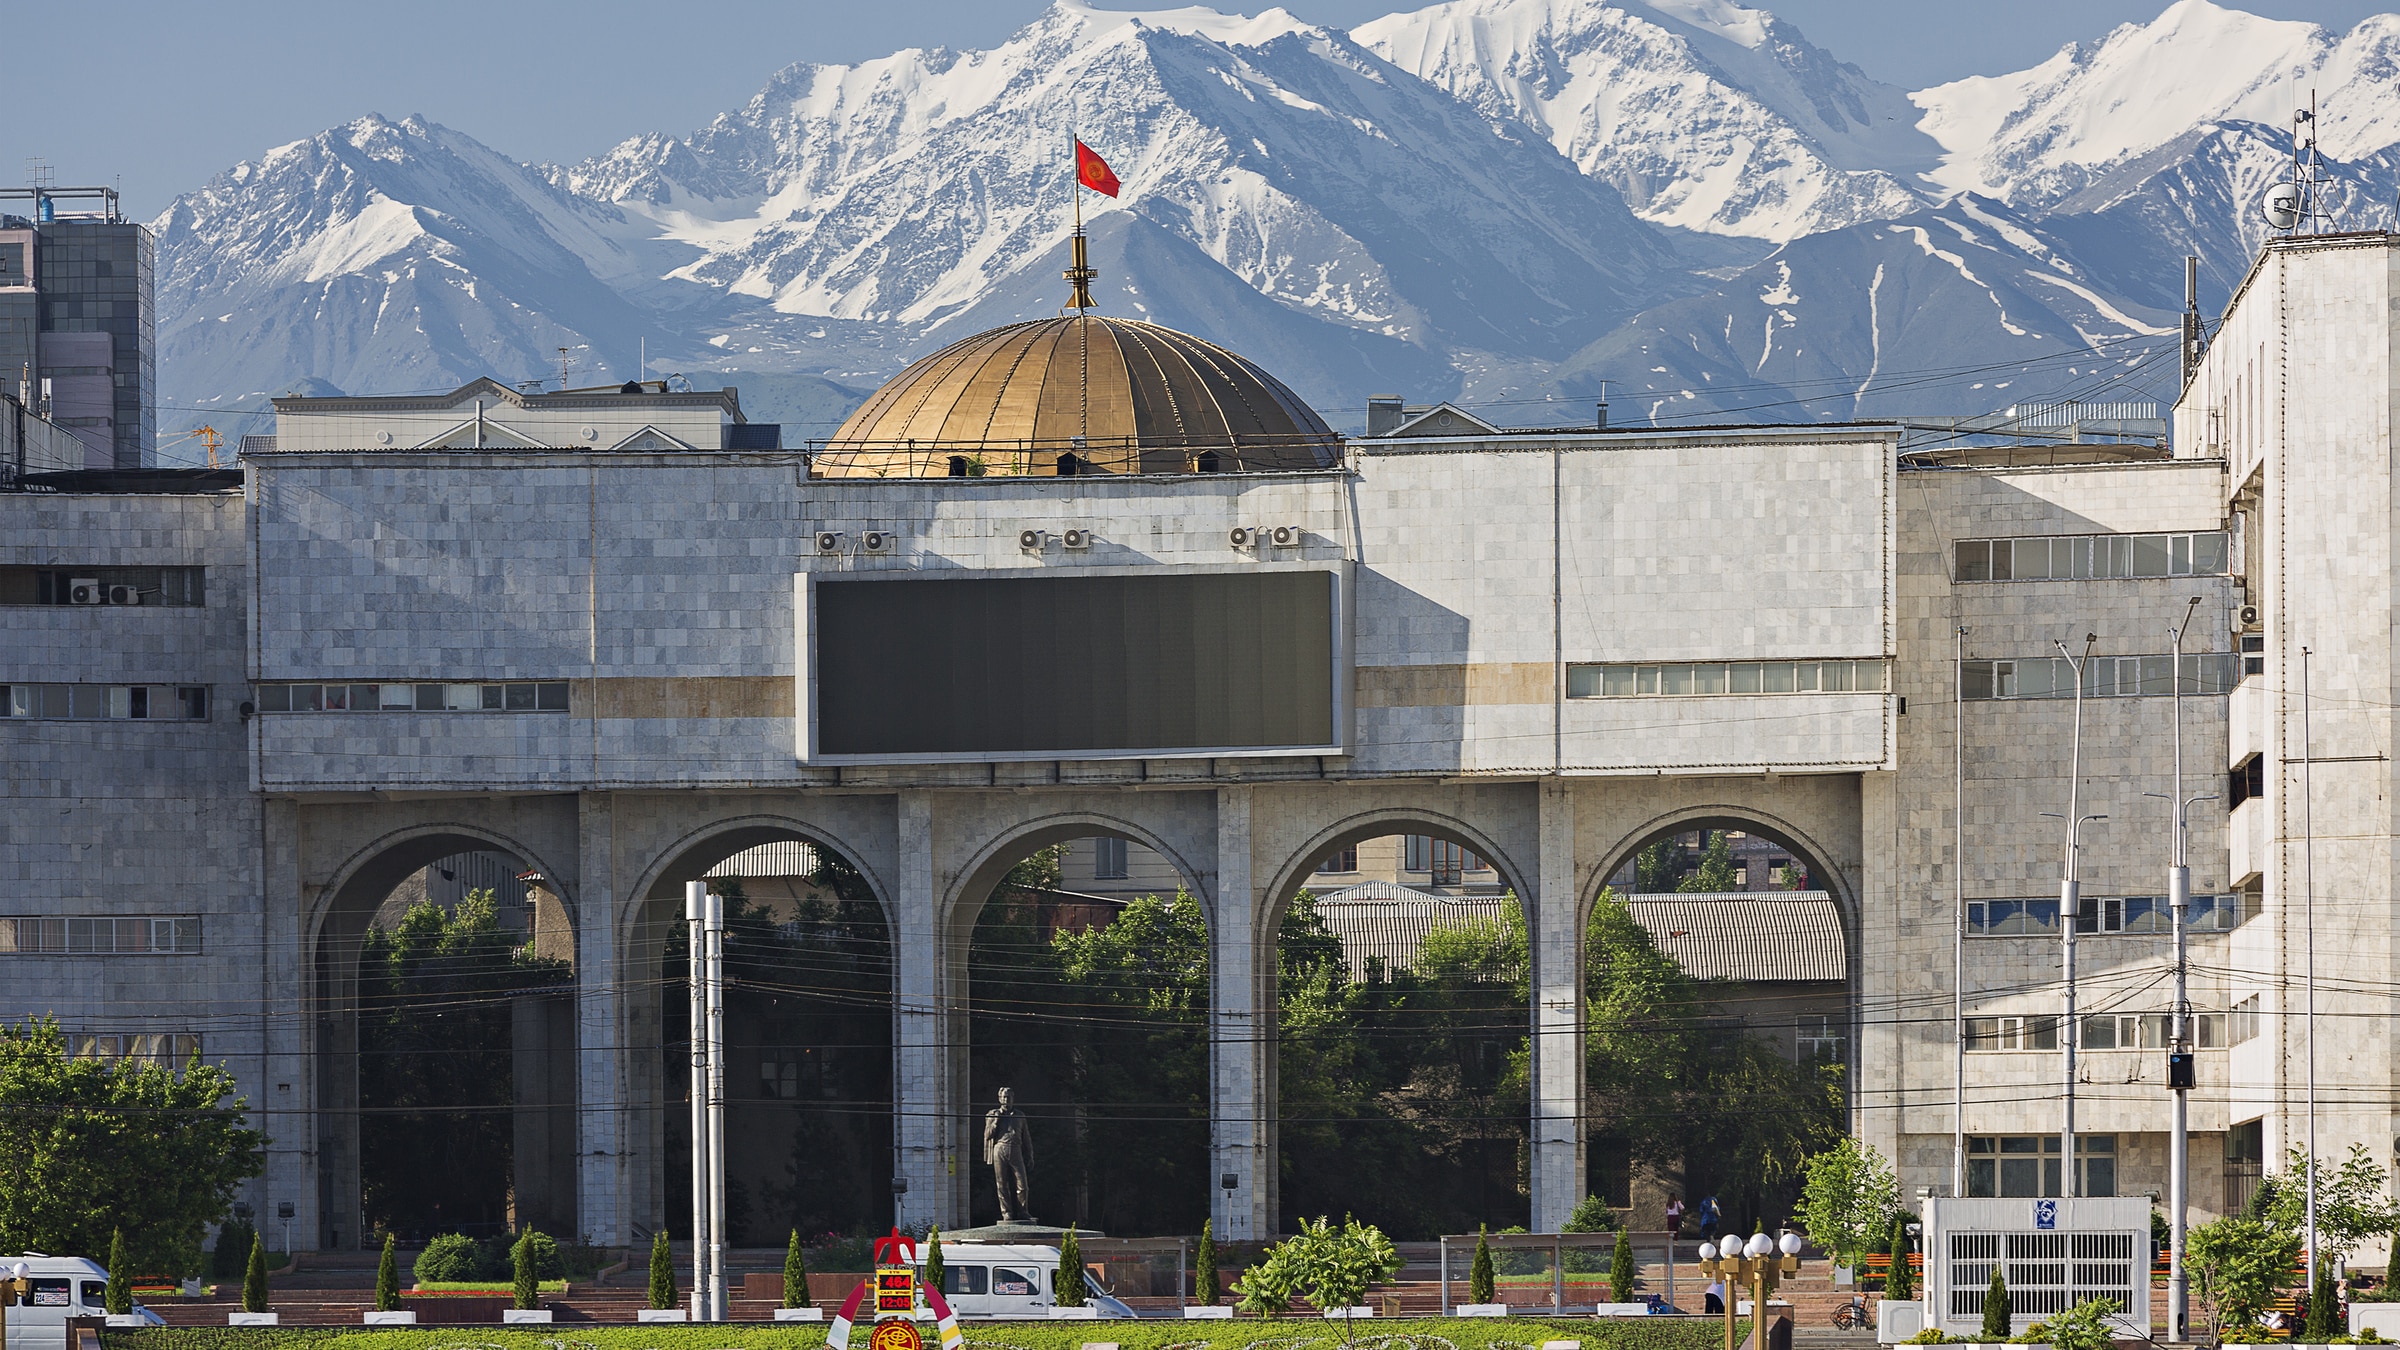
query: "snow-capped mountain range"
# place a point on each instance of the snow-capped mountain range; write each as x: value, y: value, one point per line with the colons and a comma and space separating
x: 1509, y: 203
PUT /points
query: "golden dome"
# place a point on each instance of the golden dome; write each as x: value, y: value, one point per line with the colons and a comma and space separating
x: 1079, y: 394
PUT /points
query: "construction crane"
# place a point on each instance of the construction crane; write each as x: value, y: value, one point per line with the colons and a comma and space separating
x: 209, y: 440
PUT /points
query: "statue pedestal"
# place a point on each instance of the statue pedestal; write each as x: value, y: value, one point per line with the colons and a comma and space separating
x: 1027, y: 1234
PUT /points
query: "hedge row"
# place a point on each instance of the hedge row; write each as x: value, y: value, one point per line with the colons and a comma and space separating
x: 1294, y: 1333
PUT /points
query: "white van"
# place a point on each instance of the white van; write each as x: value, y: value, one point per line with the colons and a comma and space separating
x: 63, y: 1287
x: 981, y: 1279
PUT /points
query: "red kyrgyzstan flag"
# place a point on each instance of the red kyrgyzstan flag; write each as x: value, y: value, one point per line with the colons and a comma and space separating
x: 1093, y: 171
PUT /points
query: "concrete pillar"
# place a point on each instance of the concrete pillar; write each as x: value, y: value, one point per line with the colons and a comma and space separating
x: 299, y: 1168
x: 600, y: 1044
x: 543, y: 1069
x: 1555, y: 940
x: 1880, y: 1096
x: 1241, y: 1019
x: 923, y: 1137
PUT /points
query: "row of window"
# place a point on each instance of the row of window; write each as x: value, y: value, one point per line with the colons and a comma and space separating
x: 100, y: 936
x: 2103, y: 676
x: 171, y: 1050
x: 2083, y: 557
x: 2244, y: 1020
x: 182, y: 587
x: 2101, y: 1031
x: 543, y: 696
x: 2012, y: 1165
x: 99, y: 702
x: 1724, y: 677
x: 2103, y: 914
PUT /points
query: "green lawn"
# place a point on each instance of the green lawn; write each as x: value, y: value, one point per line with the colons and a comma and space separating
x: 1292, y: 1333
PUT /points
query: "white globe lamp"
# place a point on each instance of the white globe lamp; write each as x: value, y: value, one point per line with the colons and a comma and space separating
x: 1790, y: 1244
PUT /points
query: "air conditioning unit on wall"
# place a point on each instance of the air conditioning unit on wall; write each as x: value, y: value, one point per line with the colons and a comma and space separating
x: 1284, y: 536
x: 1242, y: 536
x: 2249, y: 619
x: 124, y: 595
x: 882, y: 543
x: 829, y: 543
x: 85, y: 591
x: 1075, y: 538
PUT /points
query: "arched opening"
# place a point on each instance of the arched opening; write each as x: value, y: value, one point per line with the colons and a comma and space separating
x: 1717, y: 1022
x: 1070, y: 464
x: 445, y: 969
x: 808, y: 1035
x: 1401, y: 1072
x: 1087, y: 994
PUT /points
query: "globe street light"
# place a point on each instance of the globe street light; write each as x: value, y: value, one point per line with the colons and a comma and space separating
x: 1762, y: 1262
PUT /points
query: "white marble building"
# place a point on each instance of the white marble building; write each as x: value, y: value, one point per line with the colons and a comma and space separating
x: 606, y: 642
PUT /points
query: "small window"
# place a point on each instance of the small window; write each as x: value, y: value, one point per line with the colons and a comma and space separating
x: 1339, y: 861
x: 2246, y: 780
x: 1007, y: 1283
x: 520, y: 698
x: 49, y: 1293
x: 550, y: 697
x: 958, y: 1280
x: 429, y: 697
x: 1108, y: 860
x: 1975, y: 560
x: 399, y: 697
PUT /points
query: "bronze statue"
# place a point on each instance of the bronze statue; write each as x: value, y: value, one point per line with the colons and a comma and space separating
x: 1008, y: 1147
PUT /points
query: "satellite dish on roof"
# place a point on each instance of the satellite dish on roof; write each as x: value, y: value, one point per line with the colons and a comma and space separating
x: 2283, y: 206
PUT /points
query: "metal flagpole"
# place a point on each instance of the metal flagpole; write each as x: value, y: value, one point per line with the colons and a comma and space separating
x: 695, y: 899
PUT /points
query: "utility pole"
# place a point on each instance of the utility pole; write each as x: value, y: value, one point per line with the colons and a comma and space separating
x: 713, y: 924
x: 2179, y: 1035
x: 1958, y: 921
x: 2070, y: 912
x: 2191, y: 319
x: 695, y: 904
x: 2308, y: 853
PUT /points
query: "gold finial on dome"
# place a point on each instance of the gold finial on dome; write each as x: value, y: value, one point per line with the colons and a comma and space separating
x: 1080, y: 274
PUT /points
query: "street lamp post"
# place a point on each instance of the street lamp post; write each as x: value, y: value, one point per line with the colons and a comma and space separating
x: 2070, y: 911
x: 1763, y: 1261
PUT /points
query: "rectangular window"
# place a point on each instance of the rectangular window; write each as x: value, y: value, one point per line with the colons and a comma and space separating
x: 2254, y: 654
x: 133, y: 936
x: 1108, y: 859
x: 172, y: 587
x: 105, y: 702
x: 2026, y: 1166
x: 545, y: 696
x: 2246, y: 780
x: 1740, y: 677
x: 2082, y: 557
x: 1416, y: 853
x: 2242, y: 1022
x: 2103, y: 677
x: 2012, y: 1033
x: 1340, y: 861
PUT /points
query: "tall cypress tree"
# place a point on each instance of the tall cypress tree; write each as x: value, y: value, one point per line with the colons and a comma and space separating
x: 521, y: 1272
x: 1902, y: 1284
x: 795, y: 1274
x: 933, y: 1259
x: 1479, y: 1275
x: 2324, y: 1310
x: 1995, y: 1309
x: 1620, y: 1271
x: 387, y: 1276
x: 118, y: 1298
x: 254, y: 1279
x: 662, y: 1272
x: 1071, y: 1290
x: 1208, y: 1288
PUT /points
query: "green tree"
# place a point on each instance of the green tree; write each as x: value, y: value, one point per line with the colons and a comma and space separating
x: 1620, y: 1272
x: 1332, y: 1267
x: 448, y: 1259
x: 118, y: 1296
x: 662, y: 1271
x: 1716, y: 871
x: 933, y: 1258
x: 1480, y: 1278
x: 1265, y: 1288
x: 2239, y: 1263
x: 1659, y: 867
x: 225, y: 1260
x: 527, y: 1286
x: 436, y: 1017
x: 254, y: 1280
x: 1902, y: 1284
x: 1208, y: 1285
x: 1995, y: 1308
x: 94, y: 1146
x: 387, y: 1276
x: 1849, y: 1198
x: 2351, y: 1203
x: 1680, y: 1085
x: 795, y: 1273
x: 1071, y: 1291
x: 1592, y: 1215
x: 2089, y: 1325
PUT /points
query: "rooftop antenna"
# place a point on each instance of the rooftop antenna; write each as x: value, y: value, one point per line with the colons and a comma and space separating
x: 2191, y: 319
x: 2299, y: 204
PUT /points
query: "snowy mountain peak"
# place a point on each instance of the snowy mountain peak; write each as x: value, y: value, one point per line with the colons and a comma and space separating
x: 1704, y: 114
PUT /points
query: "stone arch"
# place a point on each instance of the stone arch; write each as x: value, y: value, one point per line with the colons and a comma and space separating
x: 649, y: 916
x: 963, y: 905
x: 1291, y: 877
x: 338, y: 917
x: 1804, y: 843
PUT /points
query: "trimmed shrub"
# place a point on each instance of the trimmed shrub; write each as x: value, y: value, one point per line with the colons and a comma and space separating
x: 521, y: 1259
x: 662, y: 1272
x: 387, y: 1276
x: 452, y: 1258
x: 1995, y: 1308
x: 933, y: 1257
x: 1209, y: 1286
x: 118, y: 1297
x: 1902, y: 1283
x: 795, y: 1274
x: 1480, y: 1276
x: 1620, y: 1272
x: 254, y: 1280
x: 232, y: 1252
x: 1071, y: 1290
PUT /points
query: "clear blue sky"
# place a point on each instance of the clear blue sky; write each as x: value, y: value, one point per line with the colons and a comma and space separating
x: 163, y: 95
